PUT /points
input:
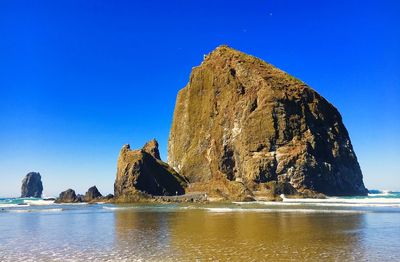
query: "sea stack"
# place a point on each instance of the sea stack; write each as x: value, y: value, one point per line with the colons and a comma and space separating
x: 241, y: 123
x: 69, y: 196
x: 92, y: 194
x: 142, y: 172
x: 32, y: 185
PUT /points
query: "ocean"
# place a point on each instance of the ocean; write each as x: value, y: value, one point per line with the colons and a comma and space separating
x: 333, y: 229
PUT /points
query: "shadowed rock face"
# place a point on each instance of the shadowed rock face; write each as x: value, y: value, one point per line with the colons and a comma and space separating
x: 92, y: 194
x: 69, y: 196
x: 32, y: 185
x: 142, y: 170
x: 240, y: 119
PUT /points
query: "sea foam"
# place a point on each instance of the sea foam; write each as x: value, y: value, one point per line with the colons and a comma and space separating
x: 39, y: 202
x: 280, y: 210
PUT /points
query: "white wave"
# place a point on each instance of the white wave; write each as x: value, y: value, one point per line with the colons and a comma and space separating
x: 52, y: 210
x: 72, y: 204
x: 356, y: 204
x: 380, y: 193
x: 111, y: 208
x: 280, y: 210
x: 269, y: 203
x: 327, y: 204
x: 39, y: 202
x: 344, y: 200
x: 331, y: 202
x: 9, y: 205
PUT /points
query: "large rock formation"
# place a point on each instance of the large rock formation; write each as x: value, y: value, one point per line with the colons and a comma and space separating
x: 92, y: 194
x: 240, y: 122
x: 32, y: 185
x: 143, y: 171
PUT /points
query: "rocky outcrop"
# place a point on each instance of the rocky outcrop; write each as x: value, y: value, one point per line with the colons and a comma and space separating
x: 69, y: 196
x: 109, y: 197
x: 241, y: 122
x: 92, y: 194
x: 141, y: 173
x: 32, y: 185
x: 151, y: 147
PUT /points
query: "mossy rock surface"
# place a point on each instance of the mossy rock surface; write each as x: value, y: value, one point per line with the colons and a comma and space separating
x: 242, y: 119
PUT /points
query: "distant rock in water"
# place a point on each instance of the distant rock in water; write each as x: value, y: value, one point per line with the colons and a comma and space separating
x: 92, y: 194
x: 69, y: 196
x: 32, y: 185
x: 143, y: 171
x: 241, y: 122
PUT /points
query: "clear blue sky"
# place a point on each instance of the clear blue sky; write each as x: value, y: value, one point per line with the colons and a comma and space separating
x: 80, y: 78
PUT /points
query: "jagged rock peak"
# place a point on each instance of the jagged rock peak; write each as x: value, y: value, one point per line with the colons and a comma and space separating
x: 151, y: 147
x: 143, y: 171
x: 92, y: 194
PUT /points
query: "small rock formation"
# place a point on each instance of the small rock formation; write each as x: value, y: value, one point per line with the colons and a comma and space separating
x: 80, y: 198
x: 92, y: 194
x: 69, y: 196
x: 109, y: 197
x: 241, y: 122
x: 32, y: 185
x: 142, y: 173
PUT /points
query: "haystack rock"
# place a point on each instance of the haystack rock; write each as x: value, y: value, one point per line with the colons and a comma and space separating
x: 32, y: 185
x: 143, y: 171
x: 241, y: 122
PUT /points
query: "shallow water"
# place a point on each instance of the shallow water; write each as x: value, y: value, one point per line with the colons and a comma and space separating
x: 353, y: 229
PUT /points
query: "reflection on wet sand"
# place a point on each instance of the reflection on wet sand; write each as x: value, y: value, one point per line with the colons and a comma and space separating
x: 142, y: 235
x: 201, y: 235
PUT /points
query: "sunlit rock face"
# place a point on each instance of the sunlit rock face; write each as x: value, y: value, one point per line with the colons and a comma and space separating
x: 241, y: 122
x: 142, y: 170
